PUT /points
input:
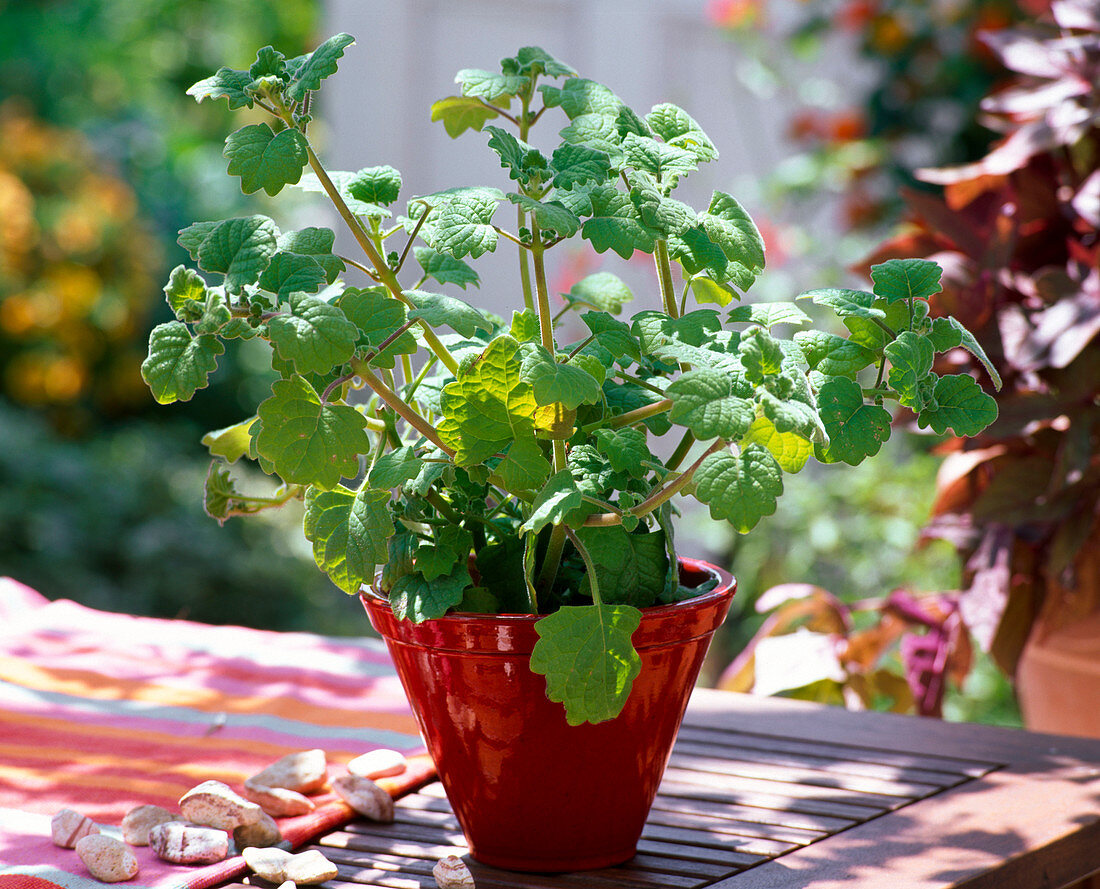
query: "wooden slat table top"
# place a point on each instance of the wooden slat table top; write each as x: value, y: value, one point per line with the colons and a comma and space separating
x: 770, y: 794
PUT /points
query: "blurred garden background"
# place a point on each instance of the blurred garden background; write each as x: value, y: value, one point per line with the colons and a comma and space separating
x: 908, y: 581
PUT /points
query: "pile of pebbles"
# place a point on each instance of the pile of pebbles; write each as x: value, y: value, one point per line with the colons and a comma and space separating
x: 215, y: 822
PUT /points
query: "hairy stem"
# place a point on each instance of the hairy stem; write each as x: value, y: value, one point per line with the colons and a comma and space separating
x: 664, y: 273
x: 394, y: 401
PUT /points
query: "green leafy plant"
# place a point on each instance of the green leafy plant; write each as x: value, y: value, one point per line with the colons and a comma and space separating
x: 508, y: 465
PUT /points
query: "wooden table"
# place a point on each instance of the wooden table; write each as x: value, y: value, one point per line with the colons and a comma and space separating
x: 770, y: 794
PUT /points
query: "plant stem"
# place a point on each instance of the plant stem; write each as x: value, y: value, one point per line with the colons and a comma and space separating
x: 664, y: 273
x: 393, y: 400
x: 681, y: 450
x: 524, y: 268
x: 640, y: 413
x: 589, y: 566
x: 442, y: 507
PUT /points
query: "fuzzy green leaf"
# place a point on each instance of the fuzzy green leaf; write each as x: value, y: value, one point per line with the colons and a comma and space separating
x: 579, y: 164
x: 550, y: 215
x: 438, y: 309
x: 712, y: 404
x: 761, y: 354
x: 740, y: 489
x: 579, y: 96
x: 461, y: 113
x: 791, y: 450
x: 612, y: 335
x: 584, y: 651
x: 416, y: 599
x: 910, y: 364
x: 445, y: 269
x: 316, y: 335
x: 626, y: 450
x: 524, y: 162
x: 344, y: 183
x: 318, y: 65
x: 226, y: 83
x: 663, y: 214
x: 768, y: 315
x: 232, y: 442
x: 292, y: 273
x: 308, y: 442
x: 377, y: 315
x: 962, y: 407
x: 238, y: 248
x: 350, y: 533
x: 846, y: 303
x: 186, y: 293
x: 706, y: 290
x: 463, y: 224
x: 729, y: 225
x: 603, y: 291
x: 192, y: 237
x: 666, y: 163
x: 949, y: 333
x: 489, y: 86
x: 898, y: 279
x: 316, y: 243
x: 375, y: 185
x: 554, y: 382
x: 178, y: 363
x: 536, y: 60
x: 630, y: 568
x: 678, y: 129
x: 597, y: 132
x: 394, y: 469
x: 856, y: 429
x: 615, y: 224
x: 264, y: 159
x: 558, y: 497
x: 524, y: 469
x: 833, y: 355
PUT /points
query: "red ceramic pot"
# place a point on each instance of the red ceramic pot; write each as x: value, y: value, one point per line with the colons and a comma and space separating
x: 531, y: 792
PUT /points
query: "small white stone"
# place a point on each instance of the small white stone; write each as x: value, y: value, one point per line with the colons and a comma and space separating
x: 277, y: 801
x: 309, y: 868
x: 180, y: 843
x: 214, y: 804
x: 267, y: 863
x: 304, y: 771
x: 289, y: 884
x: 379, y: 763
x: 68, y: 827
x: 107, y: 859
x: 264, y: 832
x: 138, y: 822
x: 366, y: 797
x: 451, y: 873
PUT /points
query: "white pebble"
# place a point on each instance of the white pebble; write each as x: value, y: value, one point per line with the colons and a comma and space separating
x: 366, y: 797
x: 214, y: 804
x: 138, y: 822
x: 379, y: 763
x: 68, y: 827
x: 277, y: 801
x: 267, y: 863
x: 180, y: 843
x: 107, y: 859
x: 264, y: 832
x: 309, y: 868
x: 451, y: 873
x: 304, y: 771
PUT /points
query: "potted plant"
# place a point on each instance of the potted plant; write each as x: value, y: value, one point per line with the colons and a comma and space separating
x: 491, y: 486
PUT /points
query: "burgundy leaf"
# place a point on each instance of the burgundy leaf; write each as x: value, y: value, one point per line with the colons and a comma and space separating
x: 983, y: 605
x: 1081, y: 14
x: 1087, y: 200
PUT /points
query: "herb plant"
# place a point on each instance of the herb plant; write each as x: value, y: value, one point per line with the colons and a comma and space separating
x: 485, y: 464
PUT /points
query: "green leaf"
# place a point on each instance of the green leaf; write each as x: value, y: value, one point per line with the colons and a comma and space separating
x: 318, y: 65
x: 630, y: 568
x: 706, y: 290
x: 739, y: 489
x: 264, y: 159
x: 316, y: 335
x: 963, y: 407
x: 416, y: 599
x: 846, y: 303
x: 947, y: 333
x: 186, y: 293
x: 761, y: 354
x: 215, y: 314
x: 596, y: 132
x: 678, y: 129
x: 192, y: 237
x: 626, y: 450
x: 729, y: 225
x: 375, y: 185
x: 463, y: 224
x: 554, y: 382
x: 524, y: 162
x: 344, y: 183
x: 615, y: 224
x: 603, y: 291
x: 910, y: 364
x: 536, y: 60
x: 444, y: 269
x: 525, y: 326
x: 856, y: 429
x: 232, y: 442
x: 438, y: 309
x: 461, y: 113
x: 712, y: 404
x: 226, y: 83
x: 579, y: 164
x: 439, y: 558
x: 550, y: 215
x: 579, y: 96
x: 316, y: 243
x: 791, y: 450
x: 663, y: 214
x: 666, y: 163
x: 292, y: 273
x: 350, y: 533
x: 377, y: 315
x: 558, y: 497
x: 238, y: 248
x: 584, y: 651
x: 524, y: 469
x: 898, y: 279
x: 178, y: 363
x: 489, y: 406
x: 612, y: 335
x: 308, y: 442
x: 833, y: 355
x: 393, y: 469
x: 269, y: 63
x: 489, y: 86
x: 768, y: 315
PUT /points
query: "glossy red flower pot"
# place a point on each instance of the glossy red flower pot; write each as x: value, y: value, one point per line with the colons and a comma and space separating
x: 531, y: 792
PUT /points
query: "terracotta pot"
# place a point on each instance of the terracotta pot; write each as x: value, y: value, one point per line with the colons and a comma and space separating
x: 1058, y: 678
x: 531, y: 792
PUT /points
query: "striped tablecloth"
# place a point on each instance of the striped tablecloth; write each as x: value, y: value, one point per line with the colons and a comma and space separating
x: 103, y: 712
